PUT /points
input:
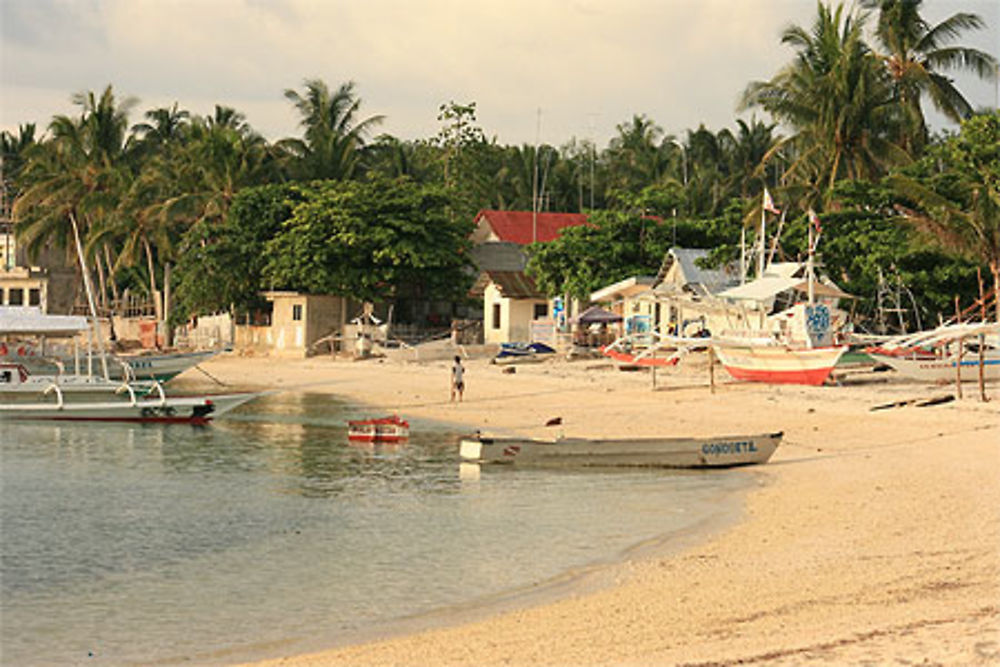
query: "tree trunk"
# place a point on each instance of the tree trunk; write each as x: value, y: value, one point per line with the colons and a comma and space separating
x: 168, y: 337
x: 102, y: 294
x: 995, y: 269
x: 111, y: 274
x: 154, y: 293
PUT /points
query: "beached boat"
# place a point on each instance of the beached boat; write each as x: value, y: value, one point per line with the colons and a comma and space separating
x: 931, y: 356
x: 159, y: 366
x: 518, y: 352
x: 943, y: 369
x: 384, y: 429
x: 127, y: 406
x: 714, y: 452
x: 778, y: 364
x: 31, y: 332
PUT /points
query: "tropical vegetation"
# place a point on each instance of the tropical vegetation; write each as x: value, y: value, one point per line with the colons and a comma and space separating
x: 201, y: 213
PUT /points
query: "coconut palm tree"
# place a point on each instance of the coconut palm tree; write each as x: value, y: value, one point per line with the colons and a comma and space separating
x: 837, y: 99
x: 333, y: 135
x: 916, y: 55
x: 636, y: 156
x: 76, y: 177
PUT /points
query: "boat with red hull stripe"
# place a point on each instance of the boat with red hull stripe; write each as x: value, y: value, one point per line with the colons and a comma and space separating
x: 776, y: 364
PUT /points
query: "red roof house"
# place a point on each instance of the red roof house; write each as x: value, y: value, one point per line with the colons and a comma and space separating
x: 522, y: 227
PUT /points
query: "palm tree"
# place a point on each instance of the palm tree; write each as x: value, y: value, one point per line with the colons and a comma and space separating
x: 77, y: 176
x: 13, y: 149
x: 837, y: 99
x: 747, y: 155
x: 333, y: 137
x: 636, y: 156
x: 194, y: 179
x: 163, y: 125
x: 916, y: 54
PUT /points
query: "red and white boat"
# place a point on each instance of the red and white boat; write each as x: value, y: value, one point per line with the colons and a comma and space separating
x: 778, y: 364
x: 384, y: 429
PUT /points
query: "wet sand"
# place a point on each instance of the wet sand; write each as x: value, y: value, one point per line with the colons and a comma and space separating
x: 874, y: 537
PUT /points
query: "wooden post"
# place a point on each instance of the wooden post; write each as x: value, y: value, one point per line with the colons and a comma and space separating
x: 958, y: 357
x: 982, y: 339
x: 711, y: 368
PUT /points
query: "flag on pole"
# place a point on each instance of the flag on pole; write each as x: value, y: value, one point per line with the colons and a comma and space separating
x: 769, y: 203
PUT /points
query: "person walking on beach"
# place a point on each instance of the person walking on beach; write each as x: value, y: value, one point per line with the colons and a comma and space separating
x: 457, y: 379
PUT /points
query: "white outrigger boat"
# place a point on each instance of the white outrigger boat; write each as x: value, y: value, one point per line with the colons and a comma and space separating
x: 932, y: 356
x: 713, y: 452
x: 126, y: 406
x: 18, y: 384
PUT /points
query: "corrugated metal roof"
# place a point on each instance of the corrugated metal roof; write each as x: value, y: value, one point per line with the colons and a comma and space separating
x: 499, y: 256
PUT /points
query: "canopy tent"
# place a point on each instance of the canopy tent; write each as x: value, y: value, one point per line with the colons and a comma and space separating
x: 596, y: 315
x: 29, y: 321
x: 770, y: 286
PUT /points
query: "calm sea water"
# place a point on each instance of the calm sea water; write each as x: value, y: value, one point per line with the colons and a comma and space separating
x: 125, y: 543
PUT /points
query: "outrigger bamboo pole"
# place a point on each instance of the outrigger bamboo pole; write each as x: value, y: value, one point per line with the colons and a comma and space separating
x: 90, y: 296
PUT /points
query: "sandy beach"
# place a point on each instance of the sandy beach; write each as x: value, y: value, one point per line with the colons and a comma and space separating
x: 873, y: 539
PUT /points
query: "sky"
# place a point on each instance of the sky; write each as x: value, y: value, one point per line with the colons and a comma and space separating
x: 543, y: 71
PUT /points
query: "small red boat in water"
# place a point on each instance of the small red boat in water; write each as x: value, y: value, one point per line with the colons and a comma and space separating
x: 385, y: 429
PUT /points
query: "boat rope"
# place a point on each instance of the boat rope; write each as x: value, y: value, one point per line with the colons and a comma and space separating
x: 212, y: 377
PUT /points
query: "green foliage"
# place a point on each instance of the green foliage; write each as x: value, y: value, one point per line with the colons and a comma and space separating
x: 364, y: 239
x: 866, y: 241
x: 613, y: 247
x: 221, y: 265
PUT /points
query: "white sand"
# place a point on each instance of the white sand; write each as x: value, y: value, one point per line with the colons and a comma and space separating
x: 875, y: 539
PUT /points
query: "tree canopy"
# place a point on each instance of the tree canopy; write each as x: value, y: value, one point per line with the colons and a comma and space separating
x: 207, y: 202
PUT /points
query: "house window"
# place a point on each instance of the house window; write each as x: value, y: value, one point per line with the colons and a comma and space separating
x: 34, y: 297
x: 496, y: 315
x: 297, y: 312
x: 15, y: 297
x: 1, y: 296
x: 541, y: 311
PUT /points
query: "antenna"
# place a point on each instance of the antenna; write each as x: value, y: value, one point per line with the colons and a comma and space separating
x: 534, y: 181
x: 593, y: 156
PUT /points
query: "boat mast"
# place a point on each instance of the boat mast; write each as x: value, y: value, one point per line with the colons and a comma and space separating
x: 90, y: 297
x: 763, y: 247
x: 743, y: 255
x: 809, y: 266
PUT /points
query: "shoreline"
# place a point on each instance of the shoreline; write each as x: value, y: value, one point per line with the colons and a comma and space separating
x: 876, y: 538
x: 578, y: 580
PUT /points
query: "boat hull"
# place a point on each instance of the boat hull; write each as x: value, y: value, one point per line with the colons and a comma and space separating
x: 942, y: 369
x: 385, y: 430
x: 715, y: 452
x: 171, y: 410
x: 779, y: 365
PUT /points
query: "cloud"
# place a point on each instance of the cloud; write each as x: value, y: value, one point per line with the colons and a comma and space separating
x: 587, y: 64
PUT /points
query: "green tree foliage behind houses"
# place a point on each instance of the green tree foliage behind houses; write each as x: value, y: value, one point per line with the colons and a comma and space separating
x: 204, y: 202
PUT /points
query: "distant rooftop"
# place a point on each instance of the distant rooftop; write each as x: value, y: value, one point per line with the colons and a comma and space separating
x: 522, y: 227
